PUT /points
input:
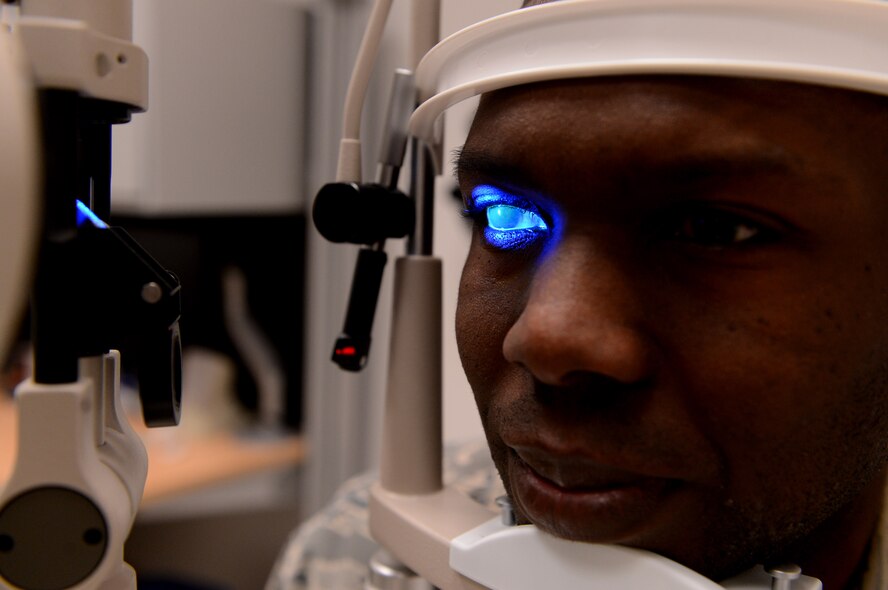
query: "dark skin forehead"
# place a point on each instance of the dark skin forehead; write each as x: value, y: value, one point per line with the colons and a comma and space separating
x: 851, y: 127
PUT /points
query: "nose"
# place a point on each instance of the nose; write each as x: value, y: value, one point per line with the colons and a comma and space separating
x: 583, y: 316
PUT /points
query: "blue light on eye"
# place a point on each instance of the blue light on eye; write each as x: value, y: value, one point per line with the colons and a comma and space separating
x: 84, y: 215
x: 511, y: 222
x: 511, y: 218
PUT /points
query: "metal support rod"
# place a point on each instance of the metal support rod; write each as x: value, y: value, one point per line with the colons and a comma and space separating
x: 422, y: 190
x: 96, y: 162
x: 411, y: 440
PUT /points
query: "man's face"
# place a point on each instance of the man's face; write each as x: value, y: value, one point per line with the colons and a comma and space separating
x: 674, y: 312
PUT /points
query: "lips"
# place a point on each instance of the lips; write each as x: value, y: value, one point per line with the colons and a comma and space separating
x: 572, y: 496
x: 573, y: 471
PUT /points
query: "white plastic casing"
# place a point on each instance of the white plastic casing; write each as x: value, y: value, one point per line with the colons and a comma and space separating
x: 19, y: 196
x: 75, y: 436
x: 85, y: 46
x: 523, y: 558
x: 108, y: 17
x: 829, y: 42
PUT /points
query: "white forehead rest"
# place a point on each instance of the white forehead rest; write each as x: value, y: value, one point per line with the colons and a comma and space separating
x: 842, y: 43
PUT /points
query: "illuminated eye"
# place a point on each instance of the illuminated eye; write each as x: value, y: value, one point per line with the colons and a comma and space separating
x: 512, y: 218
x: 509, y: 222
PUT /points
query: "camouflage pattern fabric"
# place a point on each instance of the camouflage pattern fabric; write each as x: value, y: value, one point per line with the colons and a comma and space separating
x: 330, y: 551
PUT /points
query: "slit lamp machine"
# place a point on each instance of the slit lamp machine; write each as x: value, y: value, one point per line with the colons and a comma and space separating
x: 433, y: 535
x: 69, y: 71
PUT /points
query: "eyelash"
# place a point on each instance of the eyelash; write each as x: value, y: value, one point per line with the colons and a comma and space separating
x: 487, y: 201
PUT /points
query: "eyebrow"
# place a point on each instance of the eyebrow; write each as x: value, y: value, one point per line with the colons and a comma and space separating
x: 676, y: 169
x: 469, y: 161
x: 698, y: 167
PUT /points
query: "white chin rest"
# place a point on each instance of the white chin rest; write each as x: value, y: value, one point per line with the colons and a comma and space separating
x: 498, y: 556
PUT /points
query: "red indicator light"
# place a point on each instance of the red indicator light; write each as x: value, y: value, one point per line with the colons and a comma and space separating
x: 347, y: 351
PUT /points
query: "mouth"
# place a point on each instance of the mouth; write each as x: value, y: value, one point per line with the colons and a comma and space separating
x: 573, y: 497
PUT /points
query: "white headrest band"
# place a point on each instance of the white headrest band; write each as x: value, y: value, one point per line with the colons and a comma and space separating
x: 840, y: 43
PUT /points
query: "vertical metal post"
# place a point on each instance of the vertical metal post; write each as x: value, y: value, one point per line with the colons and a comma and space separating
x: 422, y: 190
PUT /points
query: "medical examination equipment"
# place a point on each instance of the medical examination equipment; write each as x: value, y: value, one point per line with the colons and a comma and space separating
x: 72, y: 497
x: 448, y: 539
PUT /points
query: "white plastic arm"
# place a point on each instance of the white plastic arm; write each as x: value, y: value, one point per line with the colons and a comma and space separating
x: 349, y: 167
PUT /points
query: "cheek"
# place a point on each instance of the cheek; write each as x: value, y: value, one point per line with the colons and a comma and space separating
x: 792, y: 386
x: 486, y: 309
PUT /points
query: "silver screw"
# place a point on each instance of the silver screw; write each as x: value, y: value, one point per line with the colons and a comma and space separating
x: 151, y: 292
x: 387, y: 573
x: 783, y: 575
x: 507, y: 513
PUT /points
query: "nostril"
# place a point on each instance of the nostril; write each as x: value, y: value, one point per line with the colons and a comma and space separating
x: 560, y: 352
x: 577, y: 382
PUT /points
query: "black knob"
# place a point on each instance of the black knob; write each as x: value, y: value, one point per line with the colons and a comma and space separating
x: 362, y: 214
